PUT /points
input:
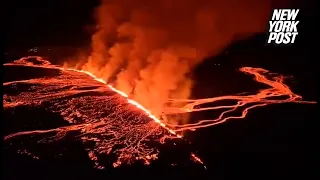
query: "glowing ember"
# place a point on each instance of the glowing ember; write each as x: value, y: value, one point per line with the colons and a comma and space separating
x: 118, y: 124
x: 197, y: 159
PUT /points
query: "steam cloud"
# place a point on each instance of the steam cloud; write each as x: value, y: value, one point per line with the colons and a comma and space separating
x: 148, y: 47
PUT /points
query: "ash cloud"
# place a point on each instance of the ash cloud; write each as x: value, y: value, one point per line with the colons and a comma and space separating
x: 147, y: 48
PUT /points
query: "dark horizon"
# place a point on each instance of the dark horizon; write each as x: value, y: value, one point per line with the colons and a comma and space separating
x: 71, y: 23
x: 48, y: 23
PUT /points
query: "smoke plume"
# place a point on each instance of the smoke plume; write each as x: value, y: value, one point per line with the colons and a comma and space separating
x: 147, y: 48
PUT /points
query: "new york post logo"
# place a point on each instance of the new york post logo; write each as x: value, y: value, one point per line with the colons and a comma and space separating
x: 283, y: 26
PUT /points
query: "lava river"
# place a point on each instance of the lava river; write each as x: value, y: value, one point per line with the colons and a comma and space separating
x: 96, y: 114
x: 103, y: 117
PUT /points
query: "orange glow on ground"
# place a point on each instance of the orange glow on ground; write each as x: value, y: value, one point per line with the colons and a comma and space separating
x: 139, y: 106
x: 120, y: 127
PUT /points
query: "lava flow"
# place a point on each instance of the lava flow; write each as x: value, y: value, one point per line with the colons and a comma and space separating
x: 119, y: 125
x: 102, y: 114
x: 264, y: 97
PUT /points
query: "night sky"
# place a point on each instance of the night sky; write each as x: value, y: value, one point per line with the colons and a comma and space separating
x: 63, y: 22
x: 54, y: 22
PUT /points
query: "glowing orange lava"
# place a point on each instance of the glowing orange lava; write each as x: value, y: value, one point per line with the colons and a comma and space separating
x: 197, y: 159
x: 277, y: 89
x: 111, y: 119
x: 129, y: 100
